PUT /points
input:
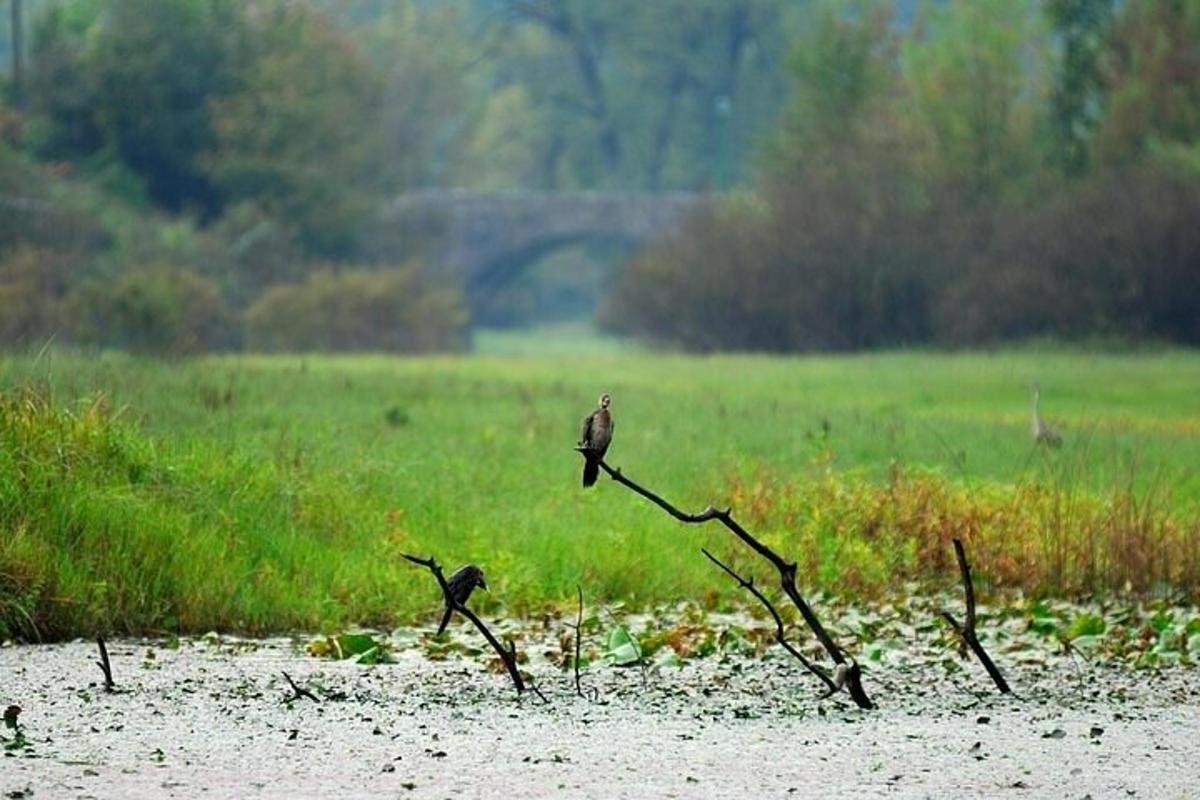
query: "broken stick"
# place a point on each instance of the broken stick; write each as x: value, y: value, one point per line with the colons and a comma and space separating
x: 966, y: 631
x: 507, y: 655
x: 104, y: 665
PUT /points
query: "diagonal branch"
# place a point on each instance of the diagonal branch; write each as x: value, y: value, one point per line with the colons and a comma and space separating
x: 966, y: 631
x: 748, y: 584
x: 787, y: 576
x: 507, y: 655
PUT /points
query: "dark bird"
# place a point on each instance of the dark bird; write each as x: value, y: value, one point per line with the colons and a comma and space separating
x: 461, y: 584
x: 595, y: 438
x: 1042, y: 433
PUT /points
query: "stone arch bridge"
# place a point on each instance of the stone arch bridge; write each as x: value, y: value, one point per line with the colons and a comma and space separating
x: 488, y: 237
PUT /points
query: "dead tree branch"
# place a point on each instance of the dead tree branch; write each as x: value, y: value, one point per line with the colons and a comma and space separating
x: 748, y: 584
x: 966, y: 631
x: 578, y: 628
x: 787, y: 576
x: 507, y: 655
x: 298, y: 691
x: 104, y: 665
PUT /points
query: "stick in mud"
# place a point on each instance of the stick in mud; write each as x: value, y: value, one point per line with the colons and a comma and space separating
x: 787, y: 577
x: 578, y: 628
x: 966, y: 631
x: 507, y: 655
x: 748, y: 584
x: 104, y: 665
x: 298, y: 691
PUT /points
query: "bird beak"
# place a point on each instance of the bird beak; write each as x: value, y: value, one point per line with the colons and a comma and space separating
x: 483, y: 585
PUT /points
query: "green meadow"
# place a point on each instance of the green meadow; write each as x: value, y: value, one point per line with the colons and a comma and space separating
x: 255, y: 494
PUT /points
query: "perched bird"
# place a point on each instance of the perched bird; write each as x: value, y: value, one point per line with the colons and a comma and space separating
x: 461, y: 584
x: 595, y: 438
x: 1042, y: 433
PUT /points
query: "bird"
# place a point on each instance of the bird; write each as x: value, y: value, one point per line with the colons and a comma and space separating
x: 461, y: 584
x: 1042, y: 433
x: 594, y: 439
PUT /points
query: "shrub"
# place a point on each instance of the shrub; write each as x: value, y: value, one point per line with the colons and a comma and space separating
x: 33, y: 283
x: 1118, y: 254
x: 831, y: 262
x: 398, y: 310
x: 161, y: 310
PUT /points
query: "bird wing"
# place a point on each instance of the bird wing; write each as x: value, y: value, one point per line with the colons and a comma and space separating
x: 585, y: 436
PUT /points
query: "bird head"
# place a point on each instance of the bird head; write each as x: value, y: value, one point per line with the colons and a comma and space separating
x: 480, y: 581
x: 605, y: 400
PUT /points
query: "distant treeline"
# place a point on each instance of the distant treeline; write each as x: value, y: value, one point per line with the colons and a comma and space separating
x: 183, y: 172
x: 186, y: 175
x: 1000, y: 169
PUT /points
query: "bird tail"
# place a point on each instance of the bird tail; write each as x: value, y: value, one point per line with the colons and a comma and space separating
x: 445, y: 621
x: 591, y: 471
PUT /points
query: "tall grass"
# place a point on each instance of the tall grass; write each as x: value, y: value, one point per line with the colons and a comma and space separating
x: 276, y: 493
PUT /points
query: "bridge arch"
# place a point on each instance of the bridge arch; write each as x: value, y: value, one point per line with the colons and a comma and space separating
x: 486, y: 238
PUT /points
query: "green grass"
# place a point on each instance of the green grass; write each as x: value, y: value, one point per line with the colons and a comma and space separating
x: 274, y: 493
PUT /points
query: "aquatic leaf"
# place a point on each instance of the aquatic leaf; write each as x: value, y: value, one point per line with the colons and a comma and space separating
x: 1086, y: 625
x: 623, y: 650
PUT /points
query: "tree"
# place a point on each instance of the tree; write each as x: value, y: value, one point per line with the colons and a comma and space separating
x: 1151, y: 75
x: 301, y: 134
x: 977, y: 72
x: 158, y: 64
x: 1082, y: 27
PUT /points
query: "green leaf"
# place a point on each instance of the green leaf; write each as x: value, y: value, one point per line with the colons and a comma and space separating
x: 1086, y: 625
x: 623, y: 649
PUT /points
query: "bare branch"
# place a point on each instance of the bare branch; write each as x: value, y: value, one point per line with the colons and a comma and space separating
x: 507, y: 655
x: 966, y: 632
x: 298, y: 691
x: 104, y: 665
x: 748, y: 584
x: 578, y: 628
x: 786, y: 569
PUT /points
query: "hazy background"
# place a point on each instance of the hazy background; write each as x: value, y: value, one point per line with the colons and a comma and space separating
x: 180, y: 176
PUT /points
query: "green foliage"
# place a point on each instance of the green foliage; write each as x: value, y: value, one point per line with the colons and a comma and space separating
x: 1151, y: 79
x: 977, y: 73
x: 299, y: 136
x: 399, y: 310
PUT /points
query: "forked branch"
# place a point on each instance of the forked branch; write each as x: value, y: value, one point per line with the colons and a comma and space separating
x: 787, y: 577
x: 748, y: 585
x: 507, y: 655
x: 104, y: 665
x: 966, y: 631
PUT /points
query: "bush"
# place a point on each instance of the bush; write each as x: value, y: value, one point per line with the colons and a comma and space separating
x: 1116, y: 255
x: 397, y: 310
x: 163, y: 310
x: 828, y: 263
x: 33, y: 283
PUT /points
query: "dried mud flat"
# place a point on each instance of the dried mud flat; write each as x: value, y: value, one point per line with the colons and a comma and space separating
x: 211, y: 719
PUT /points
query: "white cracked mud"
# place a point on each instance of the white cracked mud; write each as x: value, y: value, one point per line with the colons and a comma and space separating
x: 213, y: 721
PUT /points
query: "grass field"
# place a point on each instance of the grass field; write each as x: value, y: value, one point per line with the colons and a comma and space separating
x: 275, y: 493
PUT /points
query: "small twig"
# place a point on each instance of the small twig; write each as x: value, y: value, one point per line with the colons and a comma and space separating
x: 508, y: 656
x: 786, y: 569
x: 748, y: 584
x: 104, y: 665
x: 298, y: 691
x: 578, y: 628
x: 966, y: 631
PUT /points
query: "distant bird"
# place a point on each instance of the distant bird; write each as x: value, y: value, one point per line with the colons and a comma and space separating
x: 461, y: 584
x: 1042, y: 433
x: 595, y: 438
